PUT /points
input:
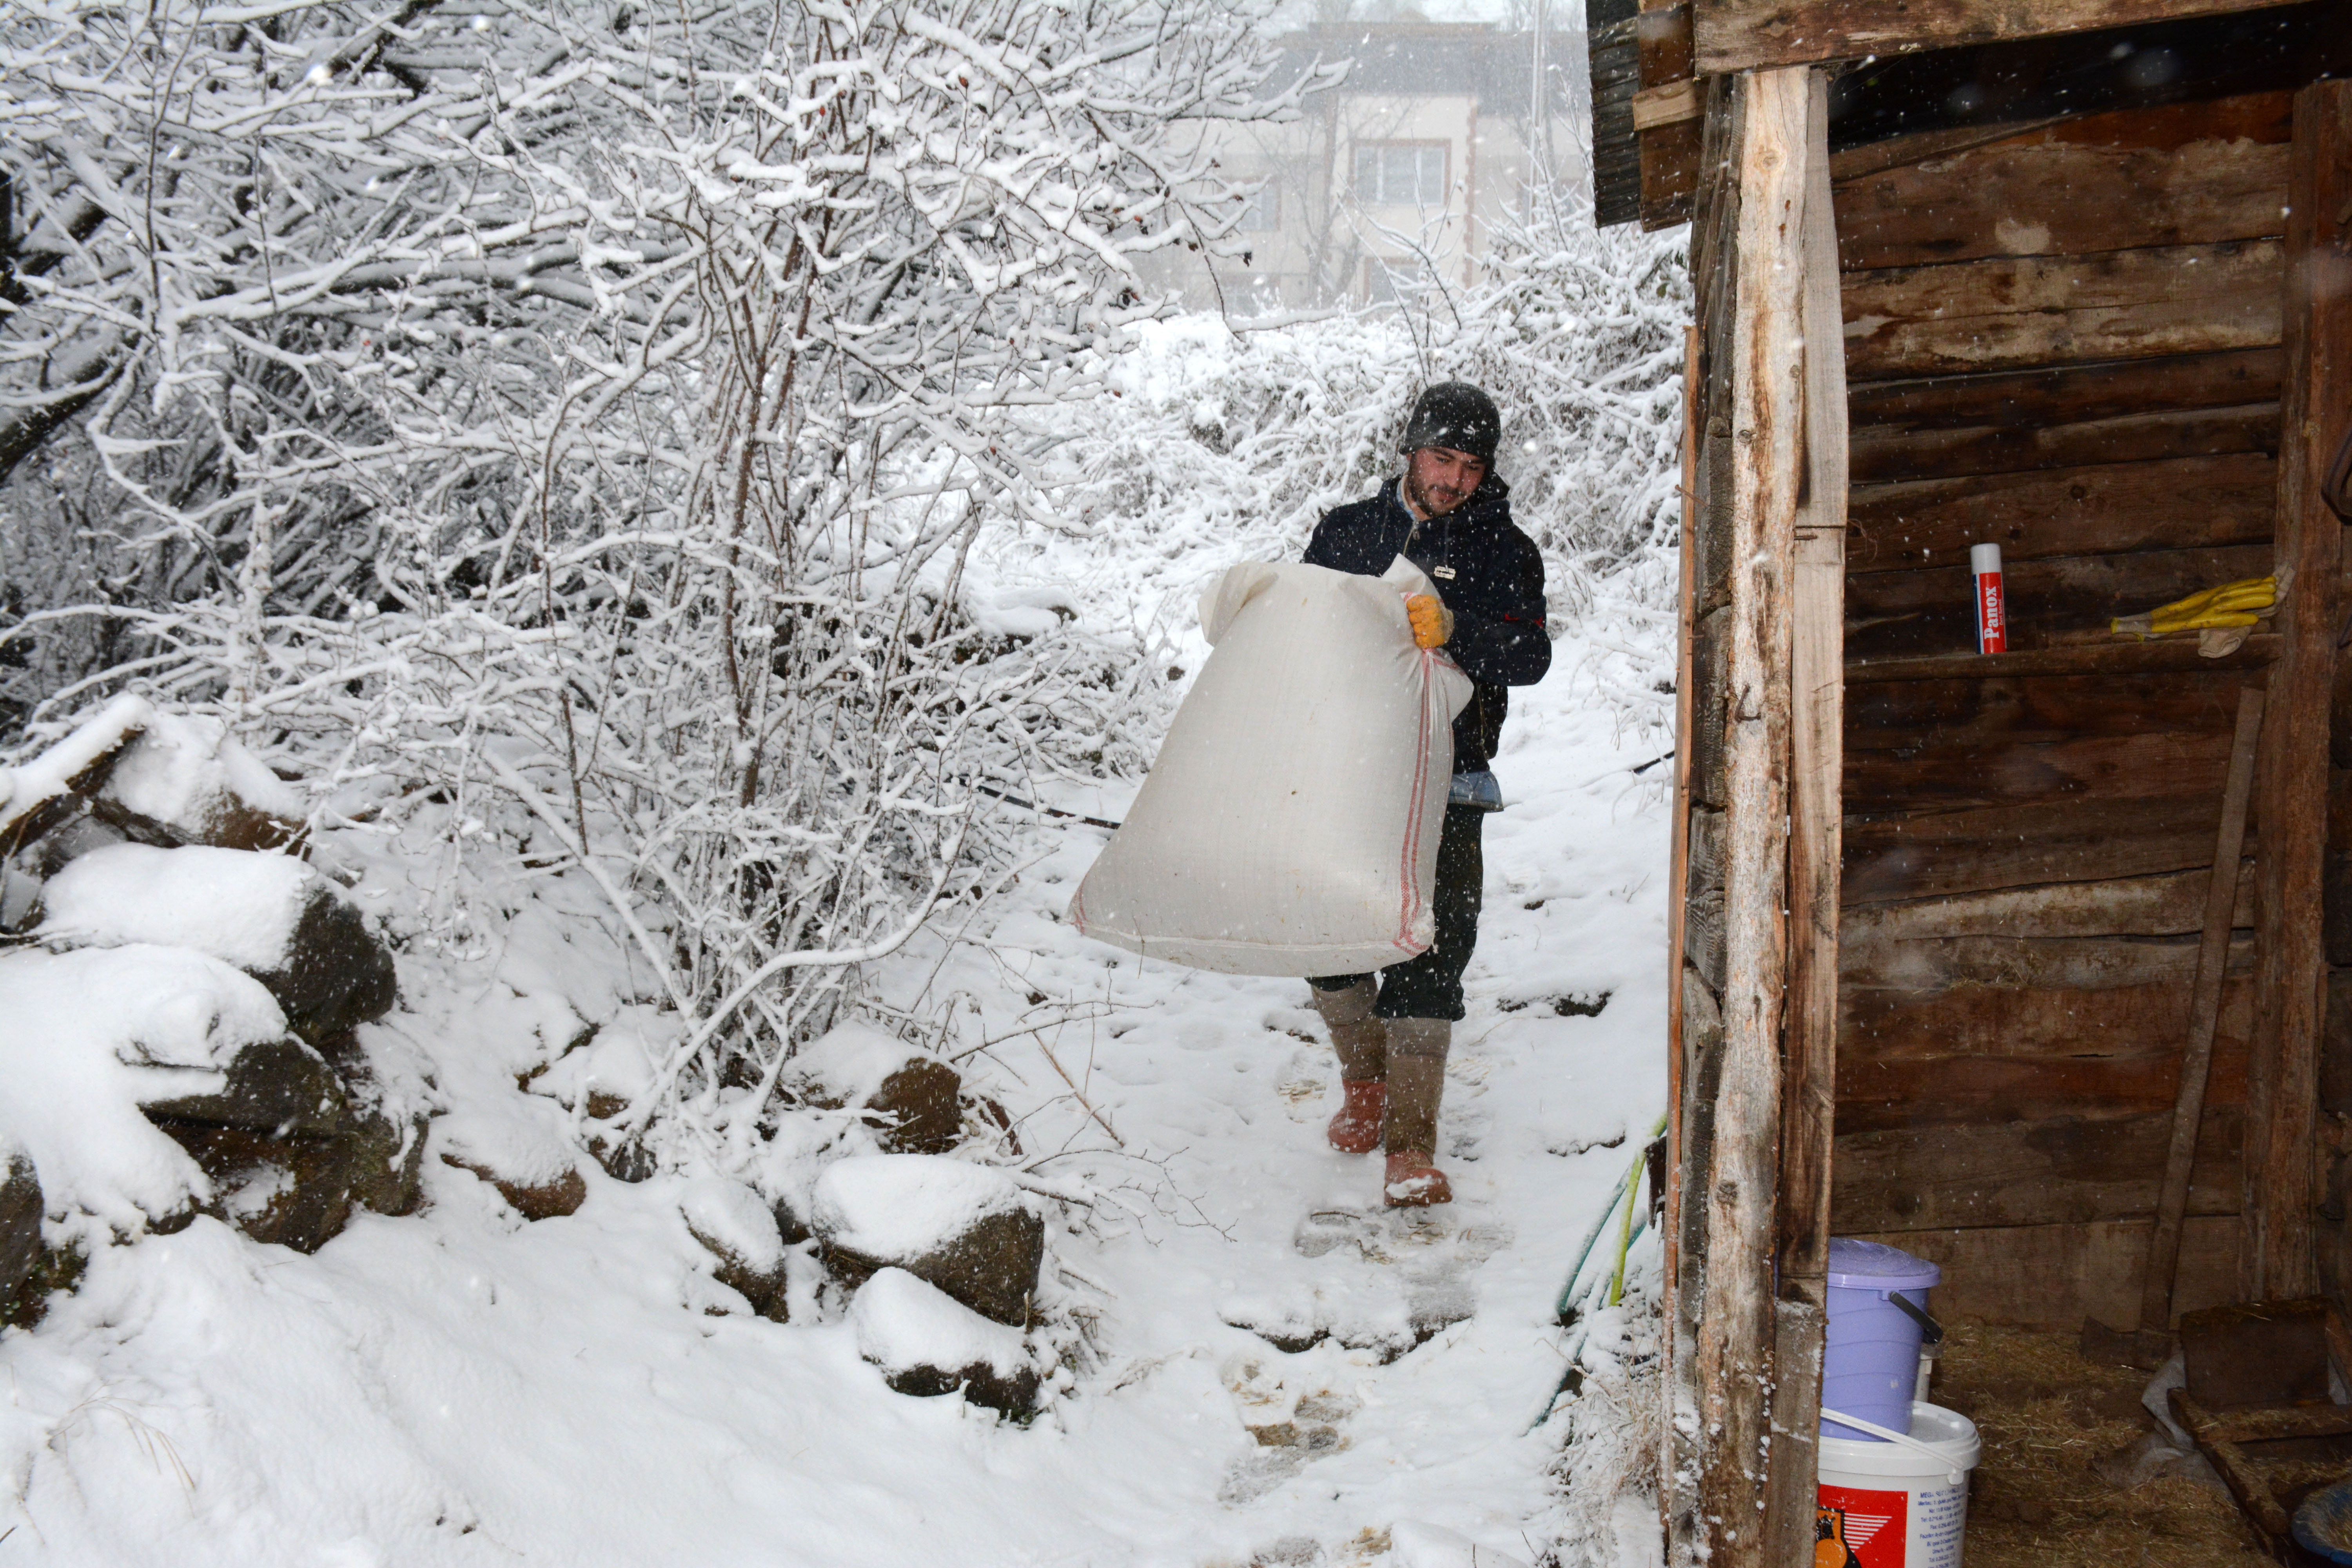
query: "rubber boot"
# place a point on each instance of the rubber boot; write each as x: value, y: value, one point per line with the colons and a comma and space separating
x: 1362, y: 1043
x: 1417, y: 1048
x: 1356, y: 1129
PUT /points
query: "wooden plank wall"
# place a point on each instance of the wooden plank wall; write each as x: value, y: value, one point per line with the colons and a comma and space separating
x: 2066, y: 341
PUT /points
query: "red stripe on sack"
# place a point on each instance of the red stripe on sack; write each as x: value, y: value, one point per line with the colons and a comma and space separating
x: 1411, y: 901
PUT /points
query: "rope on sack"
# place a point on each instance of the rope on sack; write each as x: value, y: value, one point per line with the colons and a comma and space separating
x: 1952, y: 1472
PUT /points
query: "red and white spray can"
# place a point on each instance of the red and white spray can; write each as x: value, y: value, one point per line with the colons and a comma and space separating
x: 1992, y: 604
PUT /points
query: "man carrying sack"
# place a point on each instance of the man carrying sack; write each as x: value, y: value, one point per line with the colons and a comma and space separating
x: 1452, y: 518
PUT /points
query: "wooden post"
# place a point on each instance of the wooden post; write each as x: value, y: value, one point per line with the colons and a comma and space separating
x: 1735, y: 1324
x: 1678, y: 914
x: 2291, y: 798
x: 1817, y: 747
x: 1681, y: 1433
x: 2204, y: 1013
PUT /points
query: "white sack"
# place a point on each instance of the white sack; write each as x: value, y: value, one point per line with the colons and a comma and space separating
x: 1290, y: 824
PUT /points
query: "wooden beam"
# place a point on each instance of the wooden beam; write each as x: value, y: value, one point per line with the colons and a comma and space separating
x: 2316, y: 403
x: 2032, y: 398
x: 1955, y: 1176
x: 2006, y: 706
x: 2252, y: 117
x: 2019, y: 846
x: 1736, y: 1329
x: 2204, y: 1012
x: 2182, y: 175
x: 1889, y: 455
x: 2054, y: 1276
x: 1677, y: 904
x: 1712, y: 243
x: 2100, y: 507
x: 2011, y: 312
x: 2245, y: 1482
x: 1817, y: 729
x: 2012, y: 965
x: 1816, y: 735
x: 1666, y: 114
x: 1668, y: 105
x: 2117, y: 657
x: 1752, y: 34
x: 1679, y: 864
x: 1970, y: 771
x: 2168, y: 904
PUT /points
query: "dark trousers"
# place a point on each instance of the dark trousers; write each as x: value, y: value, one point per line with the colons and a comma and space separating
x: 1429, y: 986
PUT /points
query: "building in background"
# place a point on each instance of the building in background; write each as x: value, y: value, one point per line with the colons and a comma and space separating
x: 1395, y: 181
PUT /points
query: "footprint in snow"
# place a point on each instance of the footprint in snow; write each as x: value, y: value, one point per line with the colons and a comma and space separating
x: 1395, y: 1279
x: 1293, y: 1413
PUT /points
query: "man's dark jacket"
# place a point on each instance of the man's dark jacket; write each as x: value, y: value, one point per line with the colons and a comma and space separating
x: 1496, y: 593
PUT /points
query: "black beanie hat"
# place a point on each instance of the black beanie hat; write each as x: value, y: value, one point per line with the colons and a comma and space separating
x: 1456, y: 416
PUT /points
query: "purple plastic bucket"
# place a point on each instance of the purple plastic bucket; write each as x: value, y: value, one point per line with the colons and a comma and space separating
x: 1872, y: 1365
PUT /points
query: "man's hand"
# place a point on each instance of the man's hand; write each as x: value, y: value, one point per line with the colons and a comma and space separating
x: 1433, y: 623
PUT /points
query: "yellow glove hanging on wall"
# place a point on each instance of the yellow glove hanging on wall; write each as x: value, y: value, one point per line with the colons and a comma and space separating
x: 2239, y: 604
x: 1433, y: 623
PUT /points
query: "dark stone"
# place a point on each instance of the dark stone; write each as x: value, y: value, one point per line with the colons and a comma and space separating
x: 764, y: 1289
x: 54, y: 1269
x: 922, y: 1104
x: 20, y: 1228
x: 279, y: 1087
x: 624, y: 1159
x: 300, y: 1191
x: 336, y: 975
x: 549, y: 1199
x: 1014, y: 1395
x: 991, y: 1268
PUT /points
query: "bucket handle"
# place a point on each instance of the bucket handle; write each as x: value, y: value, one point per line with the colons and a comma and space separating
x: 1931, y: 1333
x: 1953, y: 1473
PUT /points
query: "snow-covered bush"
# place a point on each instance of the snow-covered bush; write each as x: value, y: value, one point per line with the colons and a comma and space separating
x: 657, y: 443
x: 569, y: 426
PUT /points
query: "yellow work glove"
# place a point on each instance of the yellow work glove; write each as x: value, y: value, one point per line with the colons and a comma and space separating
x: 1433, y: 623
x: 2239, y: 604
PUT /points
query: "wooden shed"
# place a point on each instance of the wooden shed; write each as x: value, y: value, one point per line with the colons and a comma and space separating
x: 2071, y: 277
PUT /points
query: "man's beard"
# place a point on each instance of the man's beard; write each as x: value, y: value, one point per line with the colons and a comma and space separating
x: 1427, y: 503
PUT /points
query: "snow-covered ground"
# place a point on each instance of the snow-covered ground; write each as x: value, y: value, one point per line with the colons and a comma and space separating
x: 461, y: 1386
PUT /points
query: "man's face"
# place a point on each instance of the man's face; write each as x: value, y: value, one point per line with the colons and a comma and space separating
x: 1440, y: 478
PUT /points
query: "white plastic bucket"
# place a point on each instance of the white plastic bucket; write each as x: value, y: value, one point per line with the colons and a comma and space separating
x: 1890, y: 1505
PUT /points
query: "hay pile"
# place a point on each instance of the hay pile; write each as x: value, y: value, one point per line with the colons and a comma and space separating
x: 2047, y: 1417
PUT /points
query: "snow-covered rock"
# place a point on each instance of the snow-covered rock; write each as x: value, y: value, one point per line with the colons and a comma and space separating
x: 916, y: 1098
x: 527, y: 1158
x: 279, y: 1087
x: 962, y: 1228
x: 44, y: 793
x: 270, y: 915
x: 186, y: 773
x: 740, y: 1233
x: 94, y: 1035
x: 603, y: 1075
x: 299, y: 1192
x: 926, y: 1342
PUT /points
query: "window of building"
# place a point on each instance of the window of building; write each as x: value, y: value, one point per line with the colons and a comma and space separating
x: 1400, y: 173
x: 1263, y: 213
